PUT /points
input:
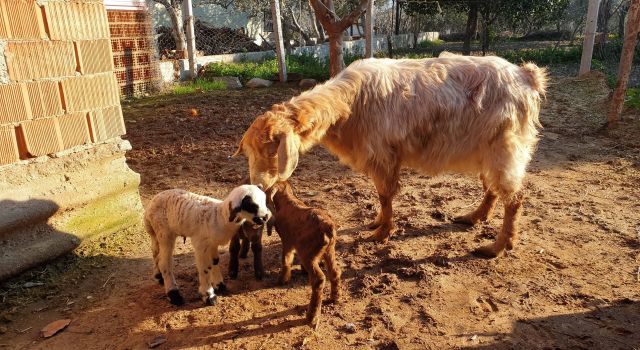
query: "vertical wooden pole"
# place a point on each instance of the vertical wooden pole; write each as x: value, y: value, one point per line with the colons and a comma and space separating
x: 187, y: 9
x: 370, y: 19
x: 397, y: 17
x: 626, y: 61
x: 589, y: 36
x: 277, y: 31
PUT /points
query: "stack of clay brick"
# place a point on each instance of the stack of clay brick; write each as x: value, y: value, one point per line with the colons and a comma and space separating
x: 57, y: 85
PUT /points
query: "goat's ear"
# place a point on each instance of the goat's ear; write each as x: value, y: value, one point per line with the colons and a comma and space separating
x: 239, y: 150
x: 233, y: 212
x: 287, y: 155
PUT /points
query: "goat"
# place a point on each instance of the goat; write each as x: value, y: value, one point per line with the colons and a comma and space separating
x: 209, y: 223
x: 474, y: 115
x: 248, y: 235
x: 311, y: 234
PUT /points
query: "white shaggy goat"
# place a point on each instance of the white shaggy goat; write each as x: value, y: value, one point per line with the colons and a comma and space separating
x: 209, y: 223
x: 447, y: 114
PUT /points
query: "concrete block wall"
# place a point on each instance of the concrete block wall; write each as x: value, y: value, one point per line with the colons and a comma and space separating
x: 58, y: 89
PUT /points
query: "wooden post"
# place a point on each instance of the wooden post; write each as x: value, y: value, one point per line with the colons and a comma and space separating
x: 277, y: 31
x: 626, y: 61
x: 187, y: 9
x: 589, y: 36
x: 370, y: 19
x: 397, y: 31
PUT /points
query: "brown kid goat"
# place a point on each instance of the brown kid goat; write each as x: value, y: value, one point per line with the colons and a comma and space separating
x: 247, y: 235
x: 312, y: 234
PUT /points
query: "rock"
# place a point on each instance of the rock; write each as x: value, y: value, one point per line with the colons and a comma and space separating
x: 307, y: 83
x: 258, y: 83
x: 233, y: 83
x: 350, y: 327
x: 157, y: 341
x: 33, y: 284
x: 54, y: 327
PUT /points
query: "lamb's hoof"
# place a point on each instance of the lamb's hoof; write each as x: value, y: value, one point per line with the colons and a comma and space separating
x: 221, y: 288
x: 211, y: 300
x: 158, y: 276
x: 487, y: 251
x: 313, y: 321
x: 465, y: 220
x: 175, y: 298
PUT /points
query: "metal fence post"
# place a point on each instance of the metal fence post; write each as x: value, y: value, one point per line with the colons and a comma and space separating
x: 277, y: 31
x: 187, y: 9
x: 589, y: 36
x: 369, y: 29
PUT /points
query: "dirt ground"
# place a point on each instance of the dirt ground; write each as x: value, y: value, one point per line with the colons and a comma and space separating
x: 572, y: 281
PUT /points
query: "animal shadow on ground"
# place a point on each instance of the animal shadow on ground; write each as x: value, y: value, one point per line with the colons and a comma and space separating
x: 614, y: 326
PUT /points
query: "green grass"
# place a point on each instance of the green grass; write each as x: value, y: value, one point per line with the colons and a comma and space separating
x: 633, y: 98
x: 306, y: 65
x: 427, y: 44
x: 199, y: 85
x: 549, y: 55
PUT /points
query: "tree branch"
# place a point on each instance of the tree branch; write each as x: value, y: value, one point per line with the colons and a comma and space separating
x: 353, y: 16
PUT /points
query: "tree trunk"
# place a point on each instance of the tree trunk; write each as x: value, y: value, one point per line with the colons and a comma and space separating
x: 336, y: 60
x: 398, y: 12
x: 472, y: 25
x: 177, y: 28
x: 626, y: 61
x: 589, y: 37
x: 603, y: 21
x: 485, y: 38
x: 621, y: 18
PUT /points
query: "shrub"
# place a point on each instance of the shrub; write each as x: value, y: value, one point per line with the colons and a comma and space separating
x: 633, y: 98
x: 544, y: 56
x: 428, y: 44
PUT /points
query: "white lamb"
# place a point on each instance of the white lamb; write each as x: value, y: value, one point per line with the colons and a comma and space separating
x: 209, y: 223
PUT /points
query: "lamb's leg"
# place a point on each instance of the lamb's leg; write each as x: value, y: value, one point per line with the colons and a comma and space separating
x: 316, y: 279
x: 256, y: 248
x: 484, y: 211
x: 244, y: 250
x: 387, y: 185
x: 202, y: 251
x: 509, y: 231
x: 216, y: 278
x: 287, y: 260
x: 234, y: 250
x: 155, y: 250
x: 166, y: 243
x: 333, y: 269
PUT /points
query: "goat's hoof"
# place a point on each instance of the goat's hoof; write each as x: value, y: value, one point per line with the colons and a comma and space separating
x: 175, y: 298
x: 233, y: 275
x: 313, y: 320
x: 243, y: 255
x: 373, y: 225
x: 381, y: 234
x: 259, y: 275
x: 465, y: 220
x: 487, y: 251
x: 158, y: 276
x: 221, y: 288
x: 211, y: 300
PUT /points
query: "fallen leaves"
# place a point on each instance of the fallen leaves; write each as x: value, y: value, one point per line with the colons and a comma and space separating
x: 54, y: 327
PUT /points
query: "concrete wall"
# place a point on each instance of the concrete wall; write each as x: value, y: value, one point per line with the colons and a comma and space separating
x: 60, y: 127
x: 169, y: 73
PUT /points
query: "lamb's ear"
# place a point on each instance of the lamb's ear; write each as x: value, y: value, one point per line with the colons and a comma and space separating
x: 287, y: 155
x: 233, y: 213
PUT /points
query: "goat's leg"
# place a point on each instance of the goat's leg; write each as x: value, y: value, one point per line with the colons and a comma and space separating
x: 316, y: 279
x: 387, y: 185
x: 256, y: 248
x: 166, y: 243
x: 333, y: 270
x: 287, y: 260
x: 484, y: 211
x: 244, y: 250
x: 234, y: 250
x: 202, y: 252
x: 509, y: 231
x: 155, y: 250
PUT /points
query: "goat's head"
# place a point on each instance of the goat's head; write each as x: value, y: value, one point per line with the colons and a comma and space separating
x: 271, y: 146
x: 248, y: 203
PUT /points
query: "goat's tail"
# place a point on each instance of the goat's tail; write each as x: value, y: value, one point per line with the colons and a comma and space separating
x: 536, y: 76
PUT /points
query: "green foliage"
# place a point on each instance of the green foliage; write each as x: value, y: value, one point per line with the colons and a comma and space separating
x: 633, y: 98
x: 429, y: 44
x: 199, y: 85
x: 549, y: 55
